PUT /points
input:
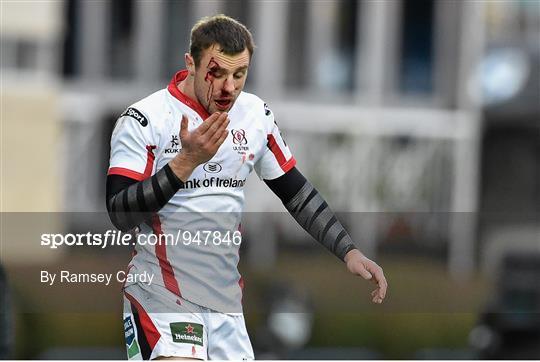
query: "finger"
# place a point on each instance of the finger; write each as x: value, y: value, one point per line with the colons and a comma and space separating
x: 184, y: 127
x: 211, y: 131
x: 219, y: 132
x: 375, y: 297
x: 207, y: 123
x: 382, y: 290
x: 383, y: 285
x: 212, y: 123
x: 222, y: 138
x: 364, y: 273
x: 218, y: 127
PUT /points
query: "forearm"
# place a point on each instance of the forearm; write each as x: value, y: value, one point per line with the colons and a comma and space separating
x: 135, y: 203
x: 312, y: 212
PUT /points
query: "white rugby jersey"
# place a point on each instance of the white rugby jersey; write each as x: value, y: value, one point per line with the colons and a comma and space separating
x: 145, y: 139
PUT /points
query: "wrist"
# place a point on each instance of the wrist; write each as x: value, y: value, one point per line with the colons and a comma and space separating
x: 351, y: 253
x: 182, y: 167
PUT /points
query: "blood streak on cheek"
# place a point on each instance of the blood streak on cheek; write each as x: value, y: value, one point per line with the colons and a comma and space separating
x: 210, y: 91
x: 209, y: 77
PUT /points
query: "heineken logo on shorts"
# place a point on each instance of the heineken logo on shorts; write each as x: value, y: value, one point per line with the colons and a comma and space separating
x: 187, y: 333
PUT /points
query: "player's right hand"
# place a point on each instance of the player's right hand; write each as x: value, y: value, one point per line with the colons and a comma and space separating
x: 199, y: 145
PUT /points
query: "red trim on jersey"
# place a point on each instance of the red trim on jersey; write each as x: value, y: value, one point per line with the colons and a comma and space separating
x: 288, y: 165
x: 150, y: 157
x: 150, y: 331
x: 161, y: 253
x: 278, y: 154
x: 126, y: 172
x: 176, y: 93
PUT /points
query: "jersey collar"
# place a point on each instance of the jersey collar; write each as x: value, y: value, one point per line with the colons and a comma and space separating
x: 176, y: 93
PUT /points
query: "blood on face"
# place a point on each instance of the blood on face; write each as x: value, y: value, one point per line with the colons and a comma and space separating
x: 211, y: 68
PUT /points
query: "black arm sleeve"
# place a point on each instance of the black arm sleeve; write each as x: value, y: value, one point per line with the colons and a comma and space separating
x: 130, y: 202
x: 310, y: 210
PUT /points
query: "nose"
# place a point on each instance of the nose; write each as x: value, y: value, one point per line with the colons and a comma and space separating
x: 228, y: 84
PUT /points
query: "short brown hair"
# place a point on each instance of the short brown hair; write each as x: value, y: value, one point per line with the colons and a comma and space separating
x: 231, y: 35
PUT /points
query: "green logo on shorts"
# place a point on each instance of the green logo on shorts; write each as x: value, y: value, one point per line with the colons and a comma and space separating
x: 131, y: 341
x: 191, y: 333
x: 133, y: 350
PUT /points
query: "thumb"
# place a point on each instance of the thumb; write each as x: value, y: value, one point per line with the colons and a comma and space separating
x: 184, y: 127
x: 364, y: 273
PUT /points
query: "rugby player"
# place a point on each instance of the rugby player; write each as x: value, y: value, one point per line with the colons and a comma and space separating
x: 179, y: 161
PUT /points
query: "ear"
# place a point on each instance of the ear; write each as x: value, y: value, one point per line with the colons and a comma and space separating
x: 190, y: 64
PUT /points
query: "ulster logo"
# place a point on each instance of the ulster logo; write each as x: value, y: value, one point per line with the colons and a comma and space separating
x: 239, y: 136
x: 239, y: 141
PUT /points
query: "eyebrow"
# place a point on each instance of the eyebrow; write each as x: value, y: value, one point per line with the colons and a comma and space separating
x: 218, y: 68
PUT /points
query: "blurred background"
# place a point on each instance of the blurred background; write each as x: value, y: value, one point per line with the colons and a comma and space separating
x: 418, y: 120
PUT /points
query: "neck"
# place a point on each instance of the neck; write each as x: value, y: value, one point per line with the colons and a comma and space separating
x: 187, y: 87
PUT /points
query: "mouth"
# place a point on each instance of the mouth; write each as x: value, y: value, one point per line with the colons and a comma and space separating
x: 223, y: 104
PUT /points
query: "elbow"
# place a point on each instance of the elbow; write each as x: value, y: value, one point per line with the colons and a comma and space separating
x: 121, y: 221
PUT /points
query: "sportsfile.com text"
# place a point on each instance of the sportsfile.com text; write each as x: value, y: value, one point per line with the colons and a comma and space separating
x: 118, y: 238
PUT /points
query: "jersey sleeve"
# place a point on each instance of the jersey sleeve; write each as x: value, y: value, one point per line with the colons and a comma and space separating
x: 132, y: 146
x: 277, y: 158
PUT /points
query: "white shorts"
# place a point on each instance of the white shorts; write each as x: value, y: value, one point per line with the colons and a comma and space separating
x: 159, y: 324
